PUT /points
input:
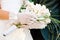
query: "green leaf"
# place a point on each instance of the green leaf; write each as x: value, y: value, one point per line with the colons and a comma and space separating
x: 55, y: 20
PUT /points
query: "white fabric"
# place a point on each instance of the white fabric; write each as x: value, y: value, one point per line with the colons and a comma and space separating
x: 11, y: 5
x: 18, y: 34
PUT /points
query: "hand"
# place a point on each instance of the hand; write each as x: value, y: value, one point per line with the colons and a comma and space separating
x: 29, y: 21
x: 26, y: 19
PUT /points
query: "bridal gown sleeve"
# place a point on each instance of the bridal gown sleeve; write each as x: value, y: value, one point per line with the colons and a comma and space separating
x: 19, y: 34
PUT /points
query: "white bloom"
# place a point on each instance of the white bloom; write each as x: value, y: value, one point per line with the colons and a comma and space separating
x: 48, y: 20
x: 38, y: 25
x: 44, y: 11
x: 48, y: 12
x: 43, y: 7
x: 29, y: 4
x: 38, y: 6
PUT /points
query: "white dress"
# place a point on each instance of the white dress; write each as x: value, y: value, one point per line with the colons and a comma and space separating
x: 19, y: 34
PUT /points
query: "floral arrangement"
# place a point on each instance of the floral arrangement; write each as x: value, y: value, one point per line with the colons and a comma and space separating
x: 40, y: 12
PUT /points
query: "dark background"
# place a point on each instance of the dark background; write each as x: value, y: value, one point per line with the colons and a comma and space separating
x: 54, y: 6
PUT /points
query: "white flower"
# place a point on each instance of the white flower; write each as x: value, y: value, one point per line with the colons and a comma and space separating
x: 43, y: 7
x: 44, y: 11
x: 38, y: 6
x: 38, y: 25
x: 48, y: 12
x: 48, y: 20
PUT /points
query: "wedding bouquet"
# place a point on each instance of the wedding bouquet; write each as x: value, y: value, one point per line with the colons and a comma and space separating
x: 40, y: 13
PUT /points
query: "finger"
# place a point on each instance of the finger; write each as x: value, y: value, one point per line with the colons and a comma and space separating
x: 32, y: 16
x: 33, y: 20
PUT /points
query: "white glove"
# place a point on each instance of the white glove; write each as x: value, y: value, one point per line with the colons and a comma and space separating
x: 31, y: 21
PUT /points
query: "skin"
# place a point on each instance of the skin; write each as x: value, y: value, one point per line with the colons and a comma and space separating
x: 4, y: 15
x: 0, y: 4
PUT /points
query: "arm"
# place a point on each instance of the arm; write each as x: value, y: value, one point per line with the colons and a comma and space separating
x: 4, y: 15
x: 12, y: 6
